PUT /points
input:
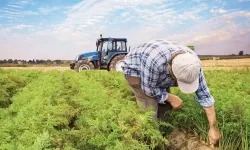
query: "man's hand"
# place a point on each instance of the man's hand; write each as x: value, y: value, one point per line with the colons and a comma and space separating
x: 213, y: 135
x: 175, y: 101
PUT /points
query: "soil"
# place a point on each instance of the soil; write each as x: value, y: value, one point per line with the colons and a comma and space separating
x: 182, y: 141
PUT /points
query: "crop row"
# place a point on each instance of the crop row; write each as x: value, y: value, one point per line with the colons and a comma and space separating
x: 12, y: 82
x: 67, y: 110
x: 231, y: 91
x: 97, y: 110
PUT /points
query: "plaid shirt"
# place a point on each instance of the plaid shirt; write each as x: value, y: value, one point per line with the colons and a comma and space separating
x: 149, y: 62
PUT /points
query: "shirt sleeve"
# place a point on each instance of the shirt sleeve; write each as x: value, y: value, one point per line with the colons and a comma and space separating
x: 203, y: 96
x: 149, y: 79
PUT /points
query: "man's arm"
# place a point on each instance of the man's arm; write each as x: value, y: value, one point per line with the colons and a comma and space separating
x: 213, y: 133
x: 211, y: 116
x: 205, y: 99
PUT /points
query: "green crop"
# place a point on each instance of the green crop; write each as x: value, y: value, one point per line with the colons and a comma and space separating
x: 74, y: 111
x: 230, y: 90
x: 97, y: 110
x: 12, y: 82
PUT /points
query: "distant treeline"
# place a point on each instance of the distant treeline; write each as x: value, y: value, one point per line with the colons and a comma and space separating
x: 25, y: 63
x: 33, y: 62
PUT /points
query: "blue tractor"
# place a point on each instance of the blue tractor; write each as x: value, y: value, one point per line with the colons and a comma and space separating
x: 109, y: 55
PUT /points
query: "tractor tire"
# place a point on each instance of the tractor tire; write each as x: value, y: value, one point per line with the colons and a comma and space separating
x: 84, y: 65
x: 116, y: 63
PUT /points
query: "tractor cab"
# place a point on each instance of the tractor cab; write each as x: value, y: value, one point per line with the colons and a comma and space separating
x: 109, y: 47
x: 108, y: 55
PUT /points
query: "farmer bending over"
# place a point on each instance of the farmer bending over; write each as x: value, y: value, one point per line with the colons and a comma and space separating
x: 153, y: 67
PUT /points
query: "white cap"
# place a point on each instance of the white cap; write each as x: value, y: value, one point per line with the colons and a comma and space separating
x: 186, y: 68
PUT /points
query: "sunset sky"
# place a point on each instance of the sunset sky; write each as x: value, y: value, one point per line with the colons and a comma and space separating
x: 61, y: 29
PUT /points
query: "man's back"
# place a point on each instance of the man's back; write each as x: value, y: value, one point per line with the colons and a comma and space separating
x: 157, y: 51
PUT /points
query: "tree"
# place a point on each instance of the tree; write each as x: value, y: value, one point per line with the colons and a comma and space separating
x: 58, y: 62
x: 48, y: 61
x: 30, y: 62
x: 38, y: 61
x: 15, y: 61
x: 241, y: 53
x: 42, y: 61
x: 191, y: 47
x: 10, y: 61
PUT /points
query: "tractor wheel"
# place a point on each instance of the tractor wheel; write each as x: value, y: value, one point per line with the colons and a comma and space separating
x: 84, y: 65
x: 116, y: 63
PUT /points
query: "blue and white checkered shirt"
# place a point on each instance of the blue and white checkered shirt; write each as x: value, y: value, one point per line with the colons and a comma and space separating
x: 149, y: 62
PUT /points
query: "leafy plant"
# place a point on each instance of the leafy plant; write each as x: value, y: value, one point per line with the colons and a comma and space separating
x: 97, y: 110
x: 230, y: 91
x: 67, y: 110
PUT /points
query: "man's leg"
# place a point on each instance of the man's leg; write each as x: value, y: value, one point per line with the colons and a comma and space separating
x: 142, y: 99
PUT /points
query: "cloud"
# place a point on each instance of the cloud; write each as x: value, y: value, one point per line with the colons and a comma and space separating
x: 48, y: 10
x: 197, y: 1
x: 21, y: 26
x: 244, y: 0
x: 218, y: 11
x: 29, y: 13
x: 83, y: 19
x: 218, y: 30
x: 137, y: 20
x: 14, y: 6
x: 23, y: 2
x: 151, y: 15
x: 10, y: 12
x: 82, y: 23
x: 15, y: 9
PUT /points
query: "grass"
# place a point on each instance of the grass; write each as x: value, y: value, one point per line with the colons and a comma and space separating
x: 68, y: 110
x: 230, y: 90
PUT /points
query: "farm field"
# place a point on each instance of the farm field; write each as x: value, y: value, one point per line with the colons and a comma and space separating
x: 226, y: 64
x: 221, y: 64
x: 96, y: 110
x: 36, y: 68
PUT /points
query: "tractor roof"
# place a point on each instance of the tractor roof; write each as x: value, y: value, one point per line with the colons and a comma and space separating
x: 113, y: 39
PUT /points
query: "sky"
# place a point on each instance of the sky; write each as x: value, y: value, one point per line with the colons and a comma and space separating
x: 61, y: 29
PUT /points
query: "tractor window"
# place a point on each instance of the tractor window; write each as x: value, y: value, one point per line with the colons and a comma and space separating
x: 110, y: 47
x: 104, y: 48
x: 120, y: 46
x: 113, y: 48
